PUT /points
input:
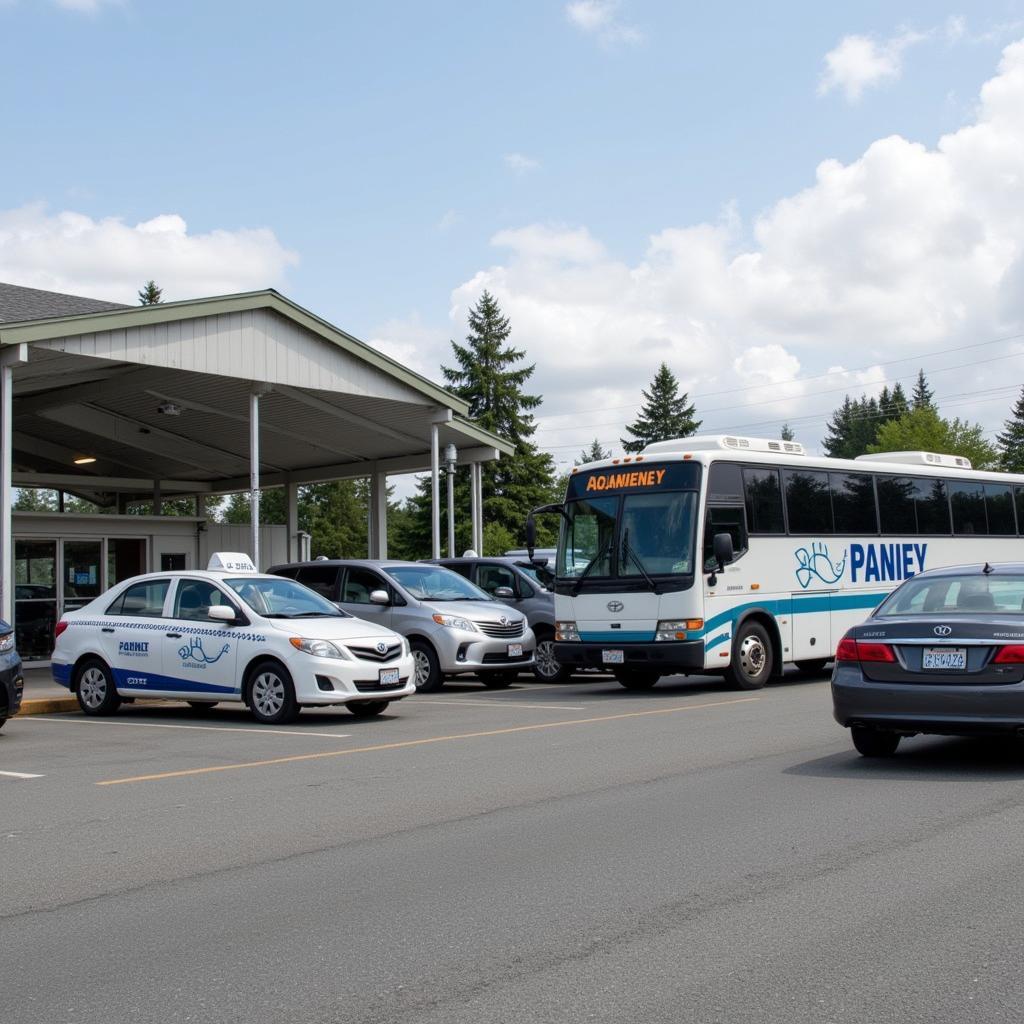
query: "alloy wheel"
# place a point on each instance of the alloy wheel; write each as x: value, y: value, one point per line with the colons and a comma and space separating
x: 92, y: 687
x: 268, y: 694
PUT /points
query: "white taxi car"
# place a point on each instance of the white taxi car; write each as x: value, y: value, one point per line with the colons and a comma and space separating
x: 228, y: 634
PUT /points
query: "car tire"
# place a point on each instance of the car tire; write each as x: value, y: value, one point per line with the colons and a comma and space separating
x: 94, y: 688
x: 428, y: 676
x: 3, y: 721
x: 367, y: 708
x: 812, y: 666
x: 874, y: 742
x: 752, y: 657
x: 270, y: 694
x: 637, y: 678
x: 546, y: 667
x: 500, y: 679
x: 202, y: 706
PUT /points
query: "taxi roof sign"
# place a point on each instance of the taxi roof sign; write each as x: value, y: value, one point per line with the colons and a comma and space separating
x: 230, y: 561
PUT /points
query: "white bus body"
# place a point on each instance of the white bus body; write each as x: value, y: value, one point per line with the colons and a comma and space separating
x: 818, y: 542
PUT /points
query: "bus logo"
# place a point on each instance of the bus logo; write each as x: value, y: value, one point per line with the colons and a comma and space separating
x: 815, y: 563
x: 615, y: 607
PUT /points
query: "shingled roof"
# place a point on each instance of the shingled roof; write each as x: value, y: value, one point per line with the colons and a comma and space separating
x: 18, y: 303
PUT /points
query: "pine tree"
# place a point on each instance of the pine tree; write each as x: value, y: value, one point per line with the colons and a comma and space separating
x: 595, y: 453
x: 665, y: 414
x: 786, y: 433
x: 923, y: 396
x: 150, y: 294
x: 1011, y: 440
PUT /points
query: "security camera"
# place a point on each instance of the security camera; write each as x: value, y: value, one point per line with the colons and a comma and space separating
x: 168, y: 409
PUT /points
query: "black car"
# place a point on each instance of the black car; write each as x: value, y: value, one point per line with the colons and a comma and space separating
x: 11, y: 681
x: 942, y: 654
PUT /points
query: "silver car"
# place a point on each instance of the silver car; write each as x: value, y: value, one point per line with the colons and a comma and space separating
x: 452, y: 626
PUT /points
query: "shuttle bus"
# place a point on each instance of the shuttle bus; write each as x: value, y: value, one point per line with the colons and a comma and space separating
x: 736, y: 555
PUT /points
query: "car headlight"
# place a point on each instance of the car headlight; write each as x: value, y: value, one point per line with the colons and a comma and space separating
x: 6, y: 643
x: 567, y: 632
x: 676, y: 629
x: 319, y: 648
x: 454, y: 622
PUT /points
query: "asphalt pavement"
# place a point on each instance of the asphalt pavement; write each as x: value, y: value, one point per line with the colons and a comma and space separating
x: 540, y: 854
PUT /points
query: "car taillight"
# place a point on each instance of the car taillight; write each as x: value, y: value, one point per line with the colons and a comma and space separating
x: 59, y: 628
x: 1010, y: 654
x: 860, y: 650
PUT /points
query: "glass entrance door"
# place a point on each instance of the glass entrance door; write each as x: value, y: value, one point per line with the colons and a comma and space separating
x: 82, y: 572
x: 35, y: 597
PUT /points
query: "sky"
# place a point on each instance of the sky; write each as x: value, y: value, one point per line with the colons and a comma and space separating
x: 784, y: 202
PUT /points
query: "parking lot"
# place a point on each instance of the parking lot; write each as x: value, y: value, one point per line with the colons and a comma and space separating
x: 543, y: 853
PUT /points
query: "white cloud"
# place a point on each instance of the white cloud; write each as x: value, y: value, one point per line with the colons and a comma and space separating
x: 906, y: 250
x: 600, y: 18
x: 109, y: 259
x: 860, y: 62
x: 520, y: 163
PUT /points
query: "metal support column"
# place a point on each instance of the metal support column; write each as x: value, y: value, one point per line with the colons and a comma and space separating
x: 435, y: 510
x: 14, y: 356
x: 254, y: 474
x: 474, y: 507
x: 451, y: 511
x: 379, y: 515
x: 291, y: 518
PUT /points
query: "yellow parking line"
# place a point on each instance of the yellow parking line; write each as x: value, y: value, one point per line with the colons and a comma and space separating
x: 423, y: 742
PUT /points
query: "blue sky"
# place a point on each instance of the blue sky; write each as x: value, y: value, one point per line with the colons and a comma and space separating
x: 386, y: 146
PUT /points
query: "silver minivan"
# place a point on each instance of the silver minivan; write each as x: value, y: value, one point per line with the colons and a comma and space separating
x: 452, y: 626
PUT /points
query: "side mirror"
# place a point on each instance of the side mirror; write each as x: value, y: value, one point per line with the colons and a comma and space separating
x: 379, y: 597
x: 722, y: 547
x: 221, y: 613
x: 531, y: 535
x: 504, y: 593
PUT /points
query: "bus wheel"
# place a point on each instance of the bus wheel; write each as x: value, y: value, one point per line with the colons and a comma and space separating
x: 637, y: 678
x: 812, y: 667
x: 751, y: 657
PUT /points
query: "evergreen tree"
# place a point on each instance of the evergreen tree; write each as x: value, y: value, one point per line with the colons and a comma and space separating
x: 923, y: 396
x: 1011, y: 440
x: 922, y: 429
x: 150, y: 294
x: 595, y: 453
x: 786, y: 433
x: 487, y: 376
x: 665, y: 414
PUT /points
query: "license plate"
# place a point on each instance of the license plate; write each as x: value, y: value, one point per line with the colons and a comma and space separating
x: 613, y: 657
x: 944, y: 658
x: 389, y: 677
x: 515, y: 650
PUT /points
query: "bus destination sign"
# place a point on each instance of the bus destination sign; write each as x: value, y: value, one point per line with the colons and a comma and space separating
x: 627, y: 479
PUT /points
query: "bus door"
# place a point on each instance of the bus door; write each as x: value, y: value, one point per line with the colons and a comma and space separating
x: 732, y: 587
x: 812, y: 626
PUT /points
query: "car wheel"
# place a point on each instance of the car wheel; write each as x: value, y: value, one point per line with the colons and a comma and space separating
x: 271, y: 695
x: 95, y: 689
x: 367, y: 708
x: 199, y: 706
x: 500, y: 679
x: 874, y: 742
x: 812, y: 666
x: 752, y: 658
x: 637, y: 678
x: 3, y: 721
x: 428, y: 677
x: 547, y: 668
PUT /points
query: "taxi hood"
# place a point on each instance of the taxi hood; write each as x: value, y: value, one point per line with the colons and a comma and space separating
x: 341, y: 628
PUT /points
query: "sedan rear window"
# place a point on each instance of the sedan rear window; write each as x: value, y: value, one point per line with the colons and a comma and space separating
x: 946, y: 595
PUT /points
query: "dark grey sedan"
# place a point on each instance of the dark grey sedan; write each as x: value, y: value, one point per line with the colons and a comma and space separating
x: 942, y: 654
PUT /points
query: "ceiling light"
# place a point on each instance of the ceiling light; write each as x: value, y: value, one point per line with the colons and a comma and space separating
x: 168, y: 409
x: 85, y: 460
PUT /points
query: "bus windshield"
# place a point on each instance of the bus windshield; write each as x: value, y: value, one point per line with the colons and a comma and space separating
x: 629, y: 536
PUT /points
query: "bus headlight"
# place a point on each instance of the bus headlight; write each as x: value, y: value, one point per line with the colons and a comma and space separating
x: 567, y: 632
x: 676, y: 629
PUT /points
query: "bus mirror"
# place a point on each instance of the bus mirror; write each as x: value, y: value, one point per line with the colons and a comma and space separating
x: 722, y: 545
x: 531, y: 535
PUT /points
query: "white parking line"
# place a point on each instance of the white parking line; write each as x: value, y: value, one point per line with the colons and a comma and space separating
x: 21, y: 775
x: 490, y: 701
x: 200, y: 728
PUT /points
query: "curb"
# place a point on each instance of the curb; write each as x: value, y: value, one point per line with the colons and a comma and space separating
x: 48, y: 705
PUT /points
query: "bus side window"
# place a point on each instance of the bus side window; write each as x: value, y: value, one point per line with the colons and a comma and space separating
x: 730, y: 520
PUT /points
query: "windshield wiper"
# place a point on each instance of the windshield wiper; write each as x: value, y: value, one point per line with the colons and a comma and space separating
x: 315, y: 615
x: 628, y: 552
x: 590, y: 565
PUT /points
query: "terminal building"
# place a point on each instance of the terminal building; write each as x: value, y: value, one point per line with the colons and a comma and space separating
x: 126, y: 404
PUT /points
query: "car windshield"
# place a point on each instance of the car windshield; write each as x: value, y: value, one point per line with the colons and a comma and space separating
x: 434, y: 583
x: 951, y: 595
x: 655, y: 536
x: 275, y: 597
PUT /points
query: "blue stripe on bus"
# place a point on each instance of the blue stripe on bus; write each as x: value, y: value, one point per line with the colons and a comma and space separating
x: 722, y: 638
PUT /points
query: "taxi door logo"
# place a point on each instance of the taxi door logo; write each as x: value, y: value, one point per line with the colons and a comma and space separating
x: 133, y: 648
x: 193, y: 655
